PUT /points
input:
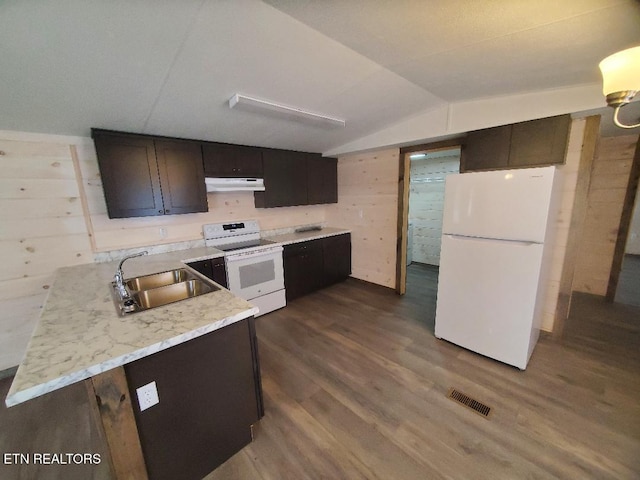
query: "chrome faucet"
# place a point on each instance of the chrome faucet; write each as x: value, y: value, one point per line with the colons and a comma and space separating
x: 119, y: 277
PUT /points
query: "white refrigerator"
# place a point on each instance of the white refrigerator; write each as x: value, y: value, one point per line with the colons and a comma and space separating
x: 495, y: 230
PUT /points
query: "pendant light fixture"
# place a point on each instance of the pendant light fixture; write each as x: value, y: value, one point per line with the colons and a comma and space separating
x: 621, y: 80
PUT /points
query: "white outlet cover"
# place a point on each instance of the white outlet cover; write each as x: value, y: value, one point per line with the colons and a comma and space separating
x: 147, y: 396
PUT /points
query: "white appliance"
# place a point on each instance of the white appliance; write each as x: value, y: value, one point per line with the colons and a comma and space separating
x: 223, y: 184
x: 495, y: 228
x: 254, y: 266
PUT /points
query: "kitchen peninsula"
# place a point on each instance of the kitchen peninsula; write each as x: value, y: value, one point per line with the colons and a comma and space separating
x: 199, y: 351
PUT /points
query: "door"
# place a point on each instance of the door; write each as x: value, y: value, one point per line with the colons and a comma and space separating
x: 285, y: 178
x: 506, y: 204
x: 182, y: 176
x: 336, y: 255
x: 486, y: 149
x: 303, y: 268
x: 225, y: 160
x: 322, y: 180
x: 252, y: 275
x: 487, y: 293
x: 210, y: 395
x: 539, y: 142
x: 129, y: 174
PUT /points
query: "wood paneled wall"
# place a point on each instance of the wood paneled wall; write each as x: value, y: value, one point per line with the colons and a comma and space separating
x: 562, y: 206
x: 42, y: 228
x: 115, y: 234
x: 48, y: 182
x: 609, y: 179
x: 368, y: 205
x: 426, y: 203
x: 53, y: 214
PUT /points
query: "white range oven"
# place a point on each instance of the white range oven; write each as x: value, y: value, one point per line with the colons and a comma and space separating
x: 254, y: 266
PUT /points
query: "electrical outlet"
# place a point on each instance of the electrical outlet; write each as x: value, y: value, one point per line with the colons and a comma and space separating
x: 147, y: 396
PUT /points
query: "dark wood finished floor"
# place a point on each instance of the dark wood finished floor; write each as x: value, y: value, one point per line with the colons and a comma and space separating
x: 355, y: 387
x: 56, y: 423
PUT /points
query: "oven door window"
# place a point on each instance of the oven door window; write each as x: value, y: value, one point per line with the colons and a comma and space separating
x: 254, y: 276
x: 256, y: 273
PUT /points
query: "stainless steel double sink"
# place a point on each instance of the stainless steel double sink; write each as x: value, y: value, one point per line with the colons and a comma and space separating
x: 158, y: 289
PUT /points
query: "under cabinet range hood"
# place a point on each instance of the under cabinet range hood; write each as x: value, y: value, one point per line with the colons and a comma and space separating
x: 220, y: 184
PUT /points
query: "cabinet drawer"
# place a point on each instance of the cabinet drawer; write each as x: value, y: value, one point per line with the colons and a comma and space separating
x: 302, y: 247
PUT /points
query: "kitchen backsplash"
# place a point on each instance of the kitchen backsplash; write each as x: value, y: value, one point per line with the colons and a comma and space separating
x: 112, y: 255
x: 152, y: 249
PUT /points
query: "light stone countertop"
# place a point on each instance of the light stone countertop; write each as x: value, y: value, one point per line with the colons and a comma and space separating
x: 289, y: 238
x: 80, y: 334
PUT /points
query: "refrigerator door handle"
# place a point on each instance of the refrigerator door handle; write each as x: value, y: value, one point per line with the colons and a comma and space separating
x: 485, y: 239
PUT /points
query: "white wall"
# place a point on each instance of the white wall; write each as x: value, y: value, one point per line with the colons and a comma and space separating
x: 426, y: 202
x: 465, y: 116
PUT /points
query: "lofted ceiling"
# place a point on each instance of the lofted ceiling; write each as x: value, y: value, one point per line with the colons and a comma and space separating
x: 169, y: 67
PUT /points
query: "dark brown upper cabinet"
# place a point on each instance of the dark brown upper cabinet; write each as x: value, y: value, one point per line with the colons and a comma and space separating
x: 484, y: 149
x: 527, y: 144
x: 226, y: 160
x: 540, y: 142
x: 145, y: 176
x: 297, y: 178
x: 322, y: 180
x: 285, y: 179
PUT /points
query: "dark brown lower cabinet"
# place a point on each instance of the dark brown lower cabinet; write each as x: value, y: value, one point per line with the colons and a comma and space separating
x: 213, y: 268
x: 302, y: 268
x: 314, y: 264
x: 337, y: 258
x: 210, y: 394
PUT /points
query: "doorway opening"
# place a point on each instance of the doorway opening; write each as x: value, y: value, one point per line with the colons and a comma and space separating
x: 422, y: 172
x: 625, y: 272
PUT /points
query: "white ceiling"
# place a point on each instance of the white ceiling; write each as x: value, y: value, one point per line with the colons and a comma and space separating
x: 169, y: 67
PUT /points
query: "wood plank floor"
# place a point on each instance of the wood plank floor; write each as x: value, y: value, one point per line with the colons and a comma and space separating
x: 355, y: 387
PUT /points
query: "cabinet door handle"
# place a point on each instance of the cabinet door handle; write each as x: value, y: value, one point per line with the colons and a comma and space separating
x: 166, y: 211
x: 160, y: 211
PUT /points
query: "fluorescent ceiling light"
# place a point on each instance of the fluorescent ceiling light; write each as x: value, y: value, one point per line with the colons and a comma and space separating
x: 415, y: 156
x: 261, y: 106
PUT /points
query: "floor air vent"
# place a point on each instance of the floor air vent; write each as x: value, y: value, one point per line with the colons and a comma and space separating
x: 467, y: 401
